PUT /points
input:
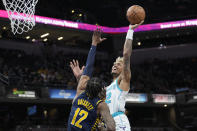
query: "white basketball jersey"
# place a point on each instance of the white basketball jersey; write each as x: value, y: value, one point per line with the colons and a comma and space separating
x: 115, y: 98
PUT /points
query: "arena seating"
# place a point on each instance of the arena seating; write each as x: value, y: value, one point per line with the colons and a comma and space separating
x: 156, y: 76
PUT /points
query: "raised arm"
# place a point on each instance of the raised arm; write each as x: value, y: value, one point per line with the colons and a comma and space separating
x: 77, y: 71
x: 103, y: 110
x: 124, y: 79
x: 96, y: 39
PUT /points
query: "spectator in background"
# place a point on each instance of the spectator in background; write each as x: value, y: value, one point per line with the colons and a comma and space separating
x: 162, y: 76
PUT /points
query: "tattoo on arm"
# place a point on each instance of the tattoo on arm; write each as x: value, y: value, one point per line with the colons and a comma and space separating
x: 107, y: 118
x: 126, y: 58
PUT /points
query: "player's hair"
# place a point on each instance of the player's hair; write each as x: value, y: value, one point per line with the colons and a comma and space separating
x: 119, y: 59
x: 94, y: 87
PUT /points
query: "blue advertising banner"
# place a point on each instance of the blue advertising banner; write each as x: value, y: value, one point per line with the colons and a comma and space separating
x: 62, y: 94
x: 136, y: 98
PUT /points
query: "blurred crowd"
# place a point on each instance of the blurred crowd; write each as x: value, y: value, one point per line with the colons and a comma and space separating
x: 153, y: 76
x: 22, y: 69
x: 165, y: 76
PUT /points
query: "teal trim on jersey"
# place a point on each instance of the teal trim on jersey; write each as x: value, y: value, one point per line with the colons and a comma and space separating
x: 117, y: 114
x: 118, y: 85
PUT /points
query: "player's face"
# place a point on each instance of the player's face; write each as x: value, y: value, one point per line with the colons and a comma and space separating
x: 117, y: 67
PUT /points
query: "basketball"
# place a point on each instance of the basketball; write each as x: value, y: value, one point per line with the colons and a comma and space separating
x: 135, y: 14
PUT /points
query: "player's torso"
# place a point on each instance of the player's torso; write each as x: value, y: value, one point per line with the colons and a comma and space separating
x: 83, y: 115
x: 115, y: 98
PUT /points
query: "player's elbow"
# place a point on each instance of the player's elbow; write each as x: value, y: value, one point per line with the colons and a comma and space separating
x: 111, y: 128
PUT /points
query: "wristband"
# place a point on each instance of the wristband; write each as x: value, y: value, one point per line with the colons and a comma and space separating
x: 130, y: 34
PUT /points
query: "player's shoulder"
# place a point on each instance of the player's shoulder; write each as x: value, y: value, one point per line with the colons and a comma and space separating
x: 101, y: 104
x: 99, y: 101
x: 78, y: 96
x: 113, y: 85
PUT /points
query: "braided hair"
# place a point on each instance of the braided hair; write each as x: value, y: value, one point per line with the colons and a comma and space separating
x: 94, y: 87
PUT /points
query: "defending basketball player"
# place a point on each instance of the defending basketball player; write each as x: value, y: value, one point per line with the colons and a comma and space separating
x: 88, y: 104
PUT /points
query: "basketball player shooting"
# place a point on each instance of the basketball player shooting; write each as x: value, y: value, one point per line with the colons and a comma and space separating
x: 119, y: 88
x: 88, y: 104
x: 117, y: 91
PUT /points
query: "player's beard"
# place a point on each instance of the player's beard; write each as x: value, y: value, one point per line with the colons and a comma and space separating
x: 115, y: 75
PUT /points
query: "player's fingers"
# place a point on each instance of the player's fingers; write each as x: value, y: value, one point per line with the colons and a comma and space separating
x: 95, y: 31
x: 136, y: 25
x: 77, y: 62
x: 71, y: 65
x: 83, y: 67
x: 102, y: 39
x: 133, y: 26
x: 141, y: 22
x: 99, y: 29
x: 74, y: 62
x: 99, y: 32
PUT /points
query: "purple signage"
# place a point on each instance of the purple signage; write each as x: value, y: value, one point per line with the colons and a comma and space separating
x: 109, y: 30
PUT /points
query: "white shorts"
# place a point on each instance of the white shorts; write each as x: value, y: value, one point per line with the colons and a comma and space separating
x: 122, y: 122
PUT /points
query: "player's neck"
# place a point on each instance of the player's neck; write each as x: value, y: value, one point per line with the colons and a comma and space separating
x: 115, y: 77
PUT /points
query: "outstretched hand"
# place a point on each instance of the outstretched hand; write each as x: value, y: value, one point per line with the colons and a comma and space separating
x: 77, y: 71
x: 135, y: 26
x: 96, y: 38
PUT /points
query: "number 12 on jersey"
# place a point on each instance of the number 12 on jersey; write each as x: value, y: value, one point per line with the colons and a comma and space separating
x: 82, y: 113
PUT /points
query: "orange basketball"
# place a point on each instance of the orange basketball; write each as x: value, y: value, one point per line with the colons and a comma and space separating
x: 135, y: 14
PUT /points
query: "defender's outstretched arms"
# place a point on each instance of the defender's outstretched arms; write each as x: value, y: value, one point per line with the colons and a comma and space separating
x: 87, y: 72
x: 124, y: 79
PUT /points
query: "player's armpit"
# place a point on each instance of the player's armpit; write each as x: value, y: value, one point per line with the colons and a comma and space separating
x: 103, y: 110
x: 82, y: 84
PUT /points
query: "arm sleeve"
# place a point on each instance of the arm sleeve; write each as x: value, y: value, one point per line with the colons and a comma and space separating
x: 90, y: 62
